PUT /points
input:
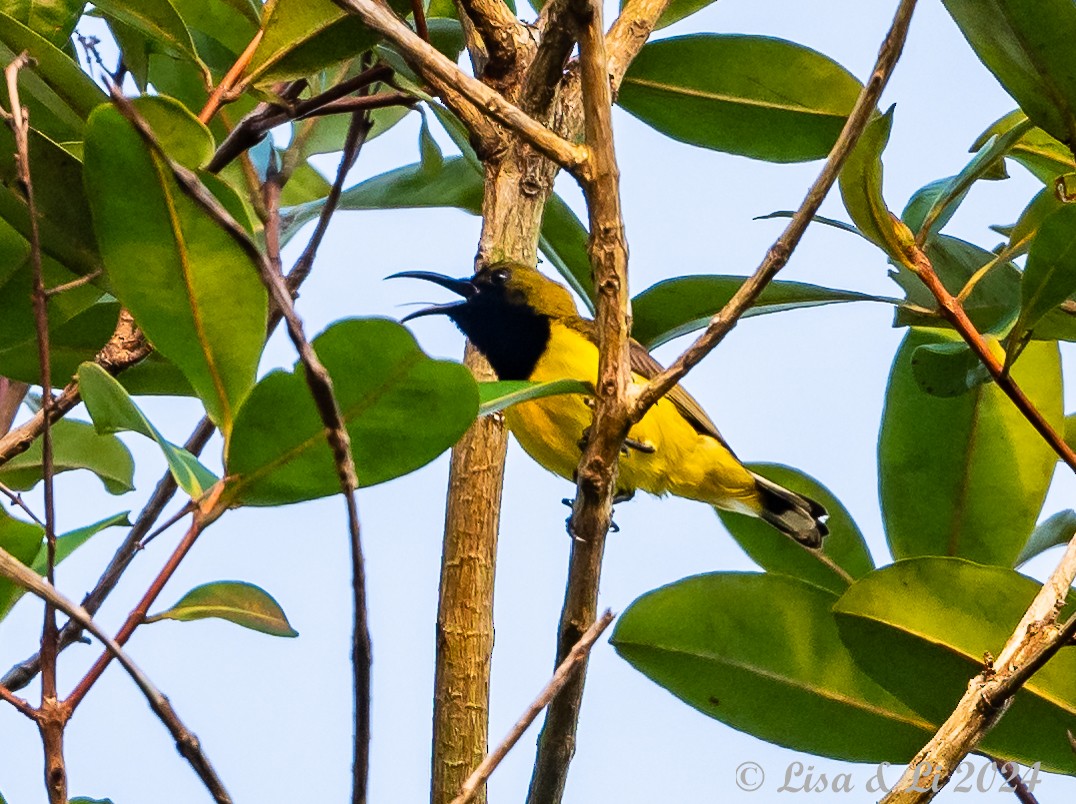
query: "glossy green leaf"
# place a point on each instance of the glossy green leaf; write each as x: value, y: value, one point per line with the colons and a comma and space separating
x: 113, y: 411
x: 1023, y: 232
x: 156, y: 19
x: 22, y: 540
x: 1026, y: 44
x: 1058, y: 529
x: 861, y: 189
x: 994, y: 300
x: 495, y: 396
x: 675, y: 307
x: 59, y: 95
x: 965, y: 476
x: 843, y: 557
x: 749, y: 649
x: 304, y: 185
x: 191, y: 287
x: 1050, y: 274
x: 75, y: 445
x: 389, y: 392
x: 750, y: 95
x: 63, y: 215
x: 68, y: 543
x: 457, y: 184
x: 948, y: 369
x: 1036, y: 150
x: 53, y: 20
x: 921, y: 628
x: 235, y: 601
x: 230, y: 24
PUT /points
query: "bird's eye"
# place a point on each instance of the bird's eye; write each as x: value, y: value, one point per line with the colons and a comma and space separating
x: 500, y: 276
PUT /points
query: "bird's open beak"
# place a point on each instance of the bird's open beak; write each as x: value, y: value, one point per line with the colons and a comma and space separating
x: 462, y: 287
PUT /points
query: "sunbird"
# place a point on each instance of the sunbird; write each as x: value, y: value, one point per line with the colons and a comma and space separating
x: 529, y: 328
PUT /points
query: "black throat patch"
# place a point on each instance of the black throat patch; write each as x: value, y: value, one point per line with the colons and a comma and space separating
x: 512, y: 336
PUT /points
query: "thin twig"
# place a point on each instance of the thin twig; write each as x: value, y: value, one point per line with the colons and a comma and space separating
x: 1011, y: 775
x: 19, y: 703
x: 19, y: 502
x: 440, y: 71
x: 779, y: 253
x: 561, y: 677
x: 186, y: 742
x: 420, y: 20
x: 596, y: 483
x: 12, y: 393
x: 228, y: 82
x: 1034, y: 642
x: 74, y: 283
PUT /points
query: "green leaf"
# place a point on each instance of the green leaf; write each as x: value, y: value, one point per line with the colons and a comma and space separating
x: 749, y: 649
x: 304, y: 185
x: 75, y: 445
x: 750, y: 95
x: 230, y: 25
x: 1026, y: 44
x: 675, y: 307
x: 948, y: 369
x: 22, y: 540
x: 68, y: 543
x: 156, y: 19
x: 431, y: 158
x: 1056, y: 530
x: 861, y: 189
x: 495, y: 396
x: 191, y: 287
x: 563, y: 240
x: 389, y: 392
x: 235, y: 601
x: 844, y: 555
x: 59, y: 95
x: 85, y: 800
x: 1030, y: 221
x: 965, y: 476
x: 1050, y: 274
x: 921, y: 628
x: 1036, y: 150
x: 113, y: 411
x: 53, y: 20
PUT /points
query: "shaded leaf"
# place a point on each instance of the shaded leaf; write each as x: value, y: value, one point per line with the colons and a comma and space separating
x: 965, y: 476
x: 1026, y: 44
x: 861, y: 189
x: 1036, y: 150
x: 53, y: 20
x: 1050, y: 273
x: 22, y: 540
x: 495, y: 396
x: 948, y: 369
x: 304, y: 185
x: 921, y: 628
x: 68, y: 543
x: 750, y: 95
x: 389, y: 392
x: 675, y: 307
x: 156, y: 19
x: 75, y: 445
x: 749, y: 649
x: 1027, y: 226
x: 191, y: 287
x: 235, y: 601
x: 1058, y: 529
x: 843, y: 557
x: 113, y: 411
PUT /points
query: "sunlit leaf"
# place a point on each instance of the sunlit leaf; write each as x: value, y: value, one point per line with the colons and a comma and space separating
x: 1050, y: 274
x: 1036, y: 150
x: 235, y: 601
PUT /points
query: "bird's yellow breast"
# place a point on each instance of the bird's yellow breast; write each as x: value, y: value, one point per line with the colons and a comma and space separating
x: 684, y: 462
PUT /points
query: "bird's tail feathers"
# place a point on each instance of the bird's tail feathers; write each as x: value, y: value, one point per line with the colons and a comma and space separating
x: 793, y: 514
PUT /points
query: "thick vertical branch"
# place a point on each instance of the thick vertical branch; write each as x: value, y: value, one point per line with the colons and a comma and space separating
x: 596, y: 485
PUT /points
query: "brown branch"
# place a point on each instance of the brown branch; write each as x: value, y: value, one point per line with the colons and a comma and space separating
x: 563, y: 674
x: 543, y: 76
x: 74, y: 283
x: 1011, y: 775
x: 17, y: 500
x: 596, y: 484
x: 12, y: 393
x: 228, y: 82
x: 419, y: 14
x: 19, y: 703
x: 778, y: 254
x: 504, y: 38
x: 1036, y: 639
x: 126, y: 347
x: 441, y: 72
x: 953, y: 311
x: 186, y: 742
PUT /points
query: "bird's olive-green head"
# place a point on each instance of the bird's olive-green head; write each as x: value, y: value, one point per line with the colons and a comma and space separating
x: 506, y: 312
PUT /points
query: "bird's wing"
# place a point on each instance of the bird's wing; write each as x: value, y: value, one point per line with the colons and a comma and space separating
x: 644, y: 364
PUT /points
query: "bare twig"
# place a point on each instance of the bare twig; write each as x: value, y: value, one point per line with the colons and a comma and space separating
x: 1036, y: 639
x: 19, y: 703
x: 420, y: 20
x: 782, y: 249
x: 596, y: 485
x: 228, y: 82
x: 186, y: 742
x: 12, y: 393
x: 440, y: 71
x: 1011, y: 775
x: 561, y: 677
x: 74, y: 283
x: 17, y: 501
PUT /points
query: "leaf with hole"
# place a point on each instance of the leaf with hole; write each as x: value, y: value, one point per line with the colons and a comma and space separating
x: 389, y: 393
x: 235, y: 601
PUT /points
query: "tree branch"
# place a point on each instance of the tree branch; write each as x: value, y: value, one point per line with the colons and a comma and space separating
x: 549, y: 692
x: 778, y: 254
x: 596, y: 485
x: 1036, y: 639
x: 186, y: 742
x: 503, y: 37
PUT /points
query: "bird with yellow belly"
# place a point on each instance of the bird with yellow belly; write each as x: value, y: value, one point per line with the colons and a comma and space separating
x: 529, y: 328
